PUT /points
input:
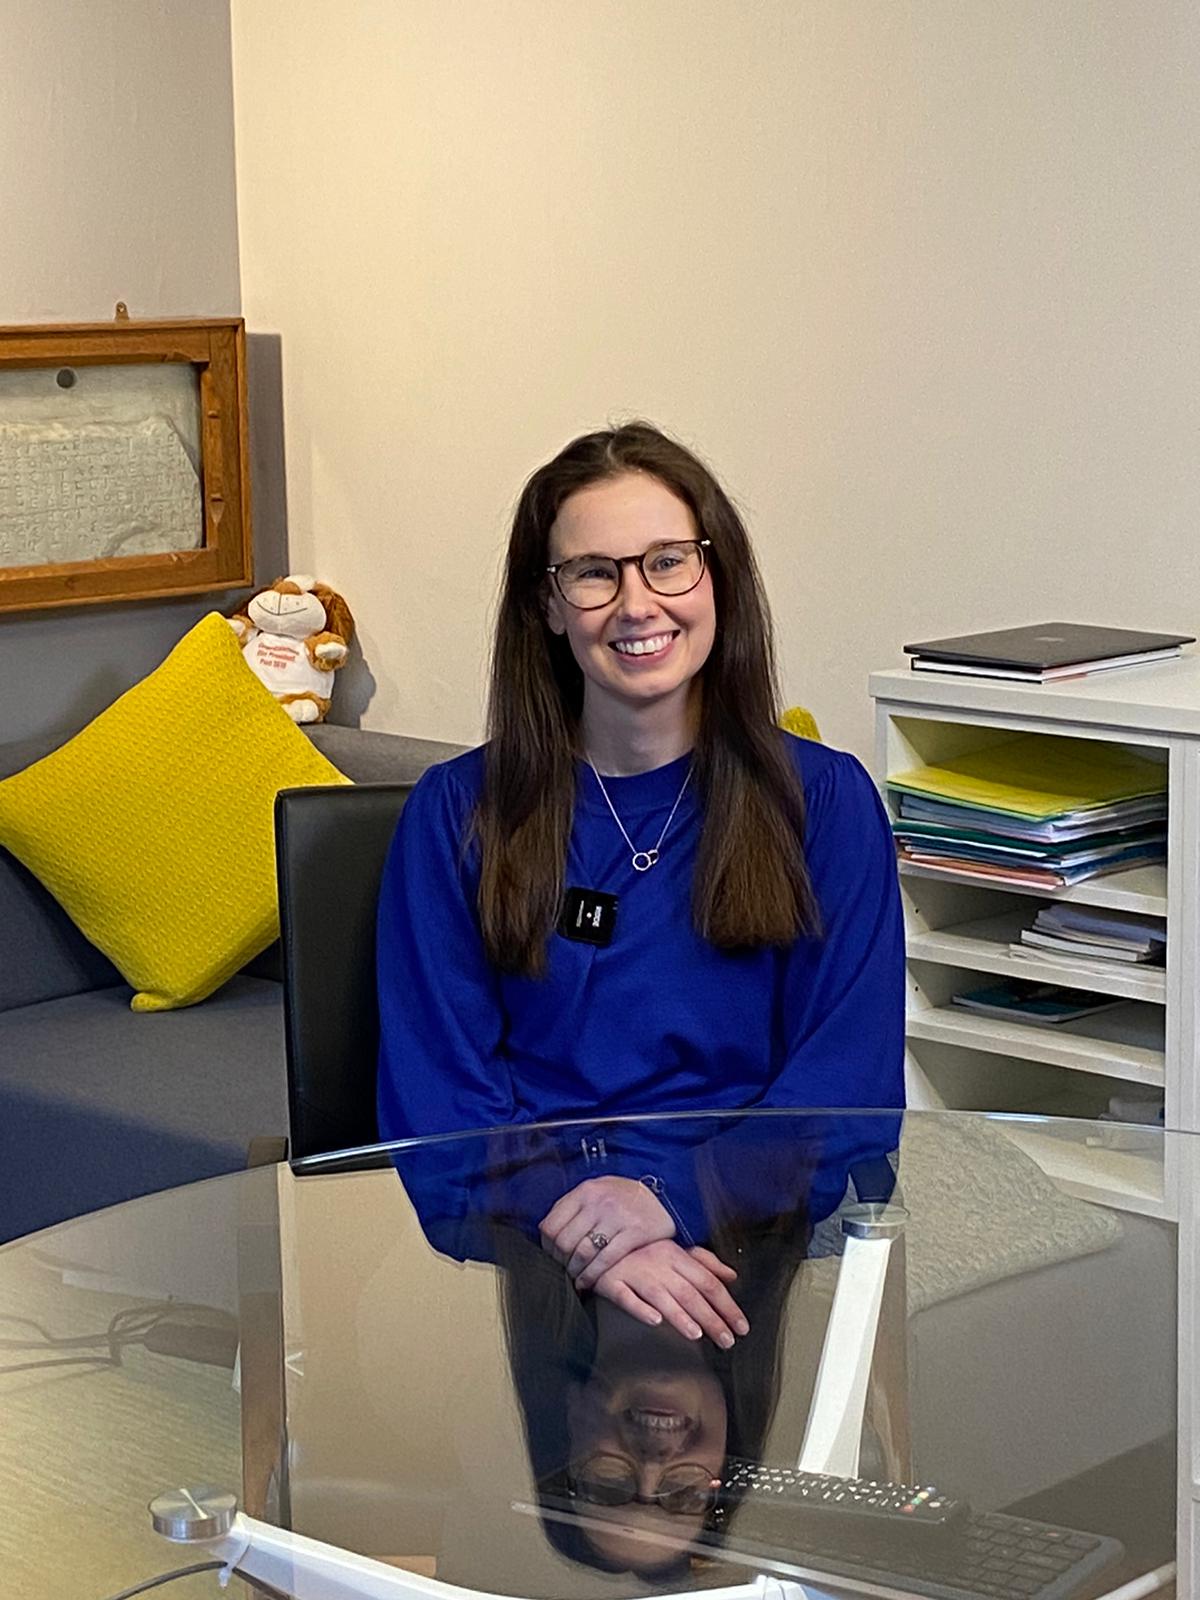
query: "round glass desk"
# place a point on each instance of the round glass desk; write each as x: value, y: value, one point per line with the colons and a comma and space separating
x: 959, y: 1376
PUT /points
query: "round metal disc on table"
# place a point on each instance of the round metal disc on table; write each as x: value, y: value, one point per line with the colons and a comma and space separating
x: 873, y: 1220
x: 188, y: 1516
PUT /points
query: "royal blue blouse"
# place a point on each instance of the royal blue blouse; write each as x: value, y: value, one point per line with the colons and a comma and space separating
x: 658, y: 1020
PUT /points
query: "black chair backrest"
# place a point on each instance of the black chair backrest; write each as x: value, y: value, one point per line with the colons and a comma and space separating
x: 330, y: 847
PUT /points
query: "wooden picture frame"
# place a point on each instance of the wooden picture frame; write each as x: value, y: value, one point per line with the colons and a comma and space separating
x: 217, y: 450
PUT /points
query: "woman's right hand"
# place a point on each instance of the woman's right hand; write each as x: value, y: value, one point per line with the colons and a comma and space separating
x: 663, y: 1282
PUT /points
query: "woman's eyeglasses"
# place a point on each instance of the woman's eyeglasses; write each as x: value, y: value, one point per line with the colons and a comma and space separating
x: 588, y: 582
x: 686, y: 1489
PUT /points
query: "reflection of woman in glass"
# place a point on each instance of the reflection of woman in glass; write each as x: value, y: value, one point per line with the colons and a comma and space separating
x: 629, y: 1427
x: 647, y: 1435
x: 640, y: 896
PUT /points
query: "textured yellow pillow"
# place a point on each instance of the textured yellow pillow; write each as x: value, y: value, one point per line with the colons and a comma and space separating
x: 154, y: 826
x: 800, y: 722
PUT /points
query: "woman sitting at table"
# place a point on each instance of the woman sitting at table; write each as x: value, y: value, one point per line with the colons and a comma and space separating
x: 640, y: 896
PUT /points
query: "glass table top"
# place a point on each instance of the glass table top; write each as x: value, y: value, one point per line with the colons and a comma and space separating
x: 936, y: 1355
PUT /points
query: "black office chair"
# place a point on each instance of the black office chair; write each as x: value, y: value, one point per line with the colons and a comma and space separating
x: 330, y: 846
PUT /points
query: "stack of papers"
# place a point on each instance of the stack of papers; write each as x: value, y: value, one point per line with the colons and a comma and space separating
x: 1018, y: 1001
x: 1082, y: 936
x: 1034, y: 811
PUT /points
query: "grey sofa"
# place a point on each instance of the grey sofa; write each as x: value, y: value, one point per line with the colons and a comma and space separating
x: 99, y: 1105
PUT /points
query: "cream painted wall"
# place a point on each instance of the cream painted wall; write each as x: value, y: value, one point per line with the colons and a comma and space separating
x: 117, y: 183
x: 918, y: 277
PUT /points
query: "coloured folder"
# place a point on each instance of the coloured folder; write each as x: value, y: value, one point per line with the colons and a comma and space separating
x: 970, y: 843
x: 1038, y: 778
x: 1028, y: 874
x: 1122, y: 814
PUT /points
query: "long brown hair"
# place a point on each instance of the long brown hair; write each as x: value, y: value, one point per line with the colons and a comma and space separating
x: 751, y: 883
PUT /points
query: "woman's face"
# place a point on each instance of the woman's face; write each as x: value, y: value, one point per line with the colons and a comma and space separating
x: 623, y: 517
x: 653, y: 1412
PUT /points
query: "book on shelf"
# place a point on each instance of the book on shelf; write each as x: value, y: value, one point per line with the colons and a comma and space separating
x: 1097, y: 922
x: 1093, y: 939
x: 1020, y: 1000
x: 1090, y: 951
x: 1082, y: 967
x: 1045, y: 652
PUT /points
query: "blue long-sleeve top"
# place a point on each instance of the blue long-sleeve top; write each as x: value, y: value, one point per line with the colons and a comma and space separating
x: 659, y: 1020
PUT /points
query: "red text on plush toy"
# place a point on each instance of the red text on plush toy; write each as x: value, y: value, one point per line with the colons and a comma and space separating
x: 294, y: 636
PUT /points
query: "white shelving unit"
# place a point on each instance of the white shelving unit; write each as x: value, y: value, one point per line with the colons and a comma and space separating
x: 959, y: 928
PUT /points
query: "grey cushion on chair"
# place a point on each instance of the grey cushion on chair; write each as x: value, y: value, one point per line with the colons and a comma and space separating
x: 175, y: 1093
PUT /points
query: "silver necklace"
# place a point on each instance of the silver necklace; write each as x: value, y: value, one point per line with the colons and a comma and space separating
x: 643, y: 860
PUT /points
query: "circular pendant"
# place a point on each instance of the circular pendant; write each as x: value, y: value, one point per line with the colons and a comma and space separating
x: 644, y: 860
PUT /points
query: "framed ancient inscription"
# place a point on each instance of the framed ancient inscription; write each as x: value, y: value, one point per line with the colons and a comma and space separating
x: 124, y: 470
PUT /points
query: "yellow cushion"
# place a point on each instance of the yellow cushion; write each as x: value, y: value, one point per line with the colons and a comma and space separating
x: 154, y: 826
x: 800, y: 722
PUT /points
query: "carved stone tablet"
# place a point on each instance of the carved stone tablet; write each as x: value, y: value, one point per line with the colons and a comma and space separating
x: 95, y: 489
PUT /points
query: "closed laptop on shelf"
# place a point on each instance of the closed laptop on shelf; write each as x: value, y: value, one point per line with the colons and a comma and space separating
x: 1048, y: 647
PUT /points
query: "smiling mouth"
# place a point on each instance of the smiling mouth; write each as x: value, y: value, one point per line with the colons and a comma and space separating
x: 662, y: 1424
x: 654, y: 645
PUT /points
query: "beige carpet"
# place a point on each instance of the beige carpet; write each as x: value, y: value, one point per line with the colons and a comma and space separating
x: 83, y: 1448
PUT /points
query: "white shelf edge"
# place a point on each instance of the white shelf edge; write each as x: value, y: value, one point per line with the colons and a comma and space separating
x: 1108, y: 891
x: 1027, y: 1042
x: 982, y: 946
x: 1119, y: 1178
x: 1132, y: 710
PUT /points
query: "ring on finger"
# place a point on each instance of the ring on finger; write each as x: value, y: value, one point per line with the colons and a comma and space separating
x: 598, y: 1240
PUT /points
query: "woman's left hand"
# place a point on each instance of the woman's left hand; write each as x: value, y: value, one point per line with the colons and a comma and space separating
x: 599, y: 1222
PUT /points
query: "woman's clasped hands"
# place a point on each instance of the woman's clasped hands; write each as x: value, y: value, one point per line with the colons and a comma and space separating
x: 614, y: 1236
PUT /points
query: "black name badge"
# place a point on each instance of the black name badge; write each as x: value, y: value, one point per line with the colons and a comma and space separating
x: 588, y: 916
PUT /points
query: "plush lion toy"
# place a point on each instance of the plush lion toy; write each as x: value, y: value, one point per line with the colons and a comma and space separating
x: 295, y: 635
